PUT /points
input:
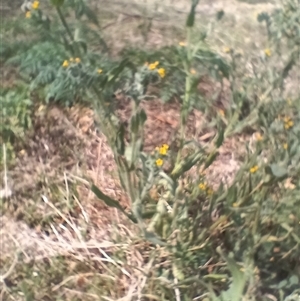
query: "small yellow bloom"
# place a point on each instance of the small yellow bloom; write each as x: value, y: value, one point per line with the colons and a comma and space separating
x: 254, y: 169
x: 99, y: 71
x: 28, y: 15
x: 193, y: 71
x: 289, y: 124
x: 71, y: 60
x: 159, y: 162
x: 163, y: 149
x: 77, y: 60
x: 202, y: 186
x: 161, y: 72
x: 153, y: 66
x: 285, y: 145
x: 268, y: 52
x: 35, y: 5
x: 65, y: 64
x: 286, y: 119
x: 235, y: 205
x: 182, y: 44
x: 227, y: 49
x: 258, y: 136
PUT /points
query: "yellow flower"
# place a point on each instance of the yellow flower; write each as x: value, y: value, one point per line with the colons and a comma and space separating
x: 71, y: 60
x: 227, y: 49
x: 163, y: 149
x: 159, y: 162
x: 285, y: 145
x: 254, y: 169
x: 286, y: 119
x: 166, y: 146
x: 235, y: 205
x: 193, y: 71
x: 161, y: 72
x: 288, y: 124
x: 182, y: 44
x: 35, y: 4
x: 153, y: 66
x: 202, y: 186
x: 28, y: 14
x: 258, y: 136
x: 77, y: 60
x: 65, y: 64
x: 268, y: 52
x: 99, y: 71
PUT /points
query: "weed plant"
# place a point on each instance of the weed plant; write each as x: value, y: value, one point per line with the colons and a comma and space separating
x: 240, y: 241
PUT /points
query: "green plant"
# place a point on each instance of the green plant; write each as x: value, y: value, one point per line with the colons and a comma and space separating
x: 15, y: 115
x: 255, y: 228
x: 232, y: 243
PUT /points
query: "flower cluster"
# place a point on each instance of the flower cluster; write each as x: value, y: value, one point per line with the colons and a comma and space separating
x: 66, y: 63
x: 153, y: 66
x: 204, y: 187
x: 162, y: 150
x: 288, y: 122
x: 34, y: 6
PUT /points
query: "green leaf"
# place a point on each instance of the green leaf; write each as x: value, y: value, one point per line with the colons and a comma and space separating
x: 211, y: 158
x: 191, y: 17
x: 106, y: 199
x: 143, y: 117
x: 111, y: 202
x: 91, y: 15
x: 134, y: 124
x: 177, y: 272
x: 239, y: 280
x: 186, y: 164
x: 57, y: 3
x: 220, y: 14
x: 120, y: 144
x: 278, y: 171
x: 150, y: 236
x: 220, y: 138
x: 294, y: 280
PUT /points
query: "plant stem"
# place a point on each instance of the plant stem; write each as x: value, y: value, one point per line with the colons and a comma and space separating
x: 187, y: 94
x: 64, y: 22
